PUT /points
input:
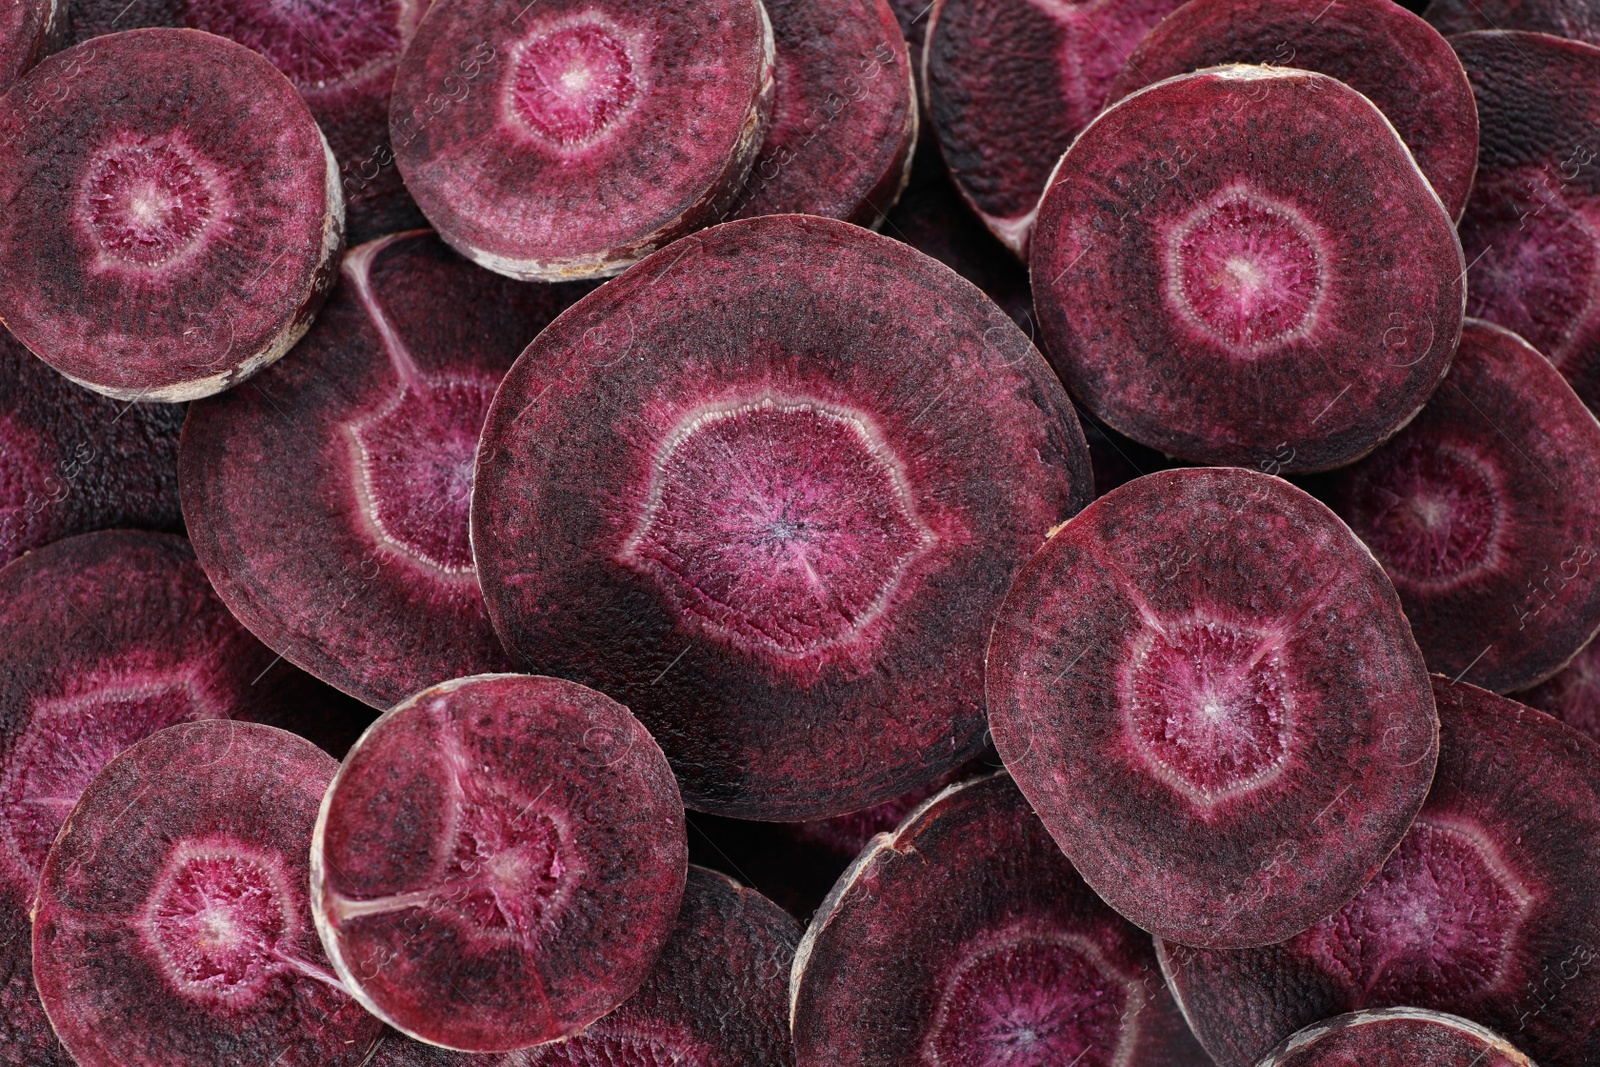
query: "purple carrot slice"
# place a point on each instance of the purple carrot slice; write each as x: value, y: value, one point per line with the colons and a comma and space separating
x: 72, y: 461
x: 1483, y: 903
x: 1244, y: 266
x: 536, y: 139
x: 1376, y: 47
x: 340, y: 54
x: 844, y: 121
x: 188, y: 214
x: 1530, y: 228
x: 718, y: 995
x: 110, y: 637
x: 1206, y: 687
x: 1396, y: 1037
x: 499, y: 862
x: 367, y: 438
x: 1478, y: 512
x: 171, y: 928
x: 739, y: 490
x: 1009, y: 83
x: 966, y: 939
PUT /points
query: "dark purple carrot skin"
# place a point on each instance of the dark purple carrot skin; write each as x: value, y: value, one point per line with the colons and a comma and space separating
x: 844, y: 120
x: 1529, y: 231
x: 198, y: 828
x: 869, y: 371
x: 341, y: 56
x: 110, y: 637
x: 1206, y: 687
x: 367, y: 436
x: 1483, y: 911
x: 540, y: 181
x: 1399, y: 1037
x: 965, y: 936
x: 1376, y: 47
x: 499, y: 862
x: 1479, y: 512
x: 1191, y: 271
x: 185, y: 248
x: 1008, y: 84
x: 78, y: 462
x: 718, y: 995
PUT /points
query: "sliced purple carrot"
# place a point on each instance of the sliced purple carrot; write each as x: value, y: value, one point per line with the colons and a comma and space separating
x: 1376, y: 47
x: 499, y: 862
x: 1009, y: 83
x: 187, y: 217
x: 535, y: 137
x: 367, y: 438
x: 1480, y: 513
x: 1482, y: 911
x: 110, y: 637
x: 966, y: 939
x: 774, y: 538
x: 1531, y: 231
x: 340, y: 54
x: 844, y: 121
x: 171, y: 928
x: 1244, y: 266
x: 718, y: 995
x: 1396, y: 1037
x: 1206, y: 687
